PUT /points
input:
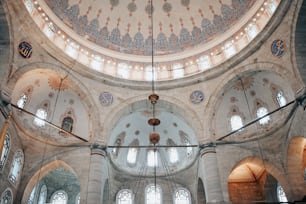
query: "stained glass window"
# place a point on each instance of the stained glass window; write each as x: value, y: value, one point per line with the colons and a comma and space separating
x: 182, y: 196
x: 41, y: 115
x: 16, y: 167
x: 7, y: 197
x: 260, y: 113
x: 153, y: 194
x: 5, y: 151
x: 59, y: 197
x: 236, y: 122
x: 124, y: 196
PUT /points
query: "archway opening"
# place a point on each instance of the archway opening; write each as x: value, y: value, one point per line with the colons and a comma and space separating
x: 58, y: 186
x: 250, y: 182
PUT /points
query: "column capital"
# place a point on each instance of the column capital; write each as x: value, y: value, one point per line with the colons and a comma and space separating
x: 207, y: 148
x: 98, y: 149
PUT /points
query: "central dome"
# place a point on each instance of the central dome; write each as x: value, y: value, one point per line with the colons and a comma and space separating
x: 120, y: 38
x: 126, y: 26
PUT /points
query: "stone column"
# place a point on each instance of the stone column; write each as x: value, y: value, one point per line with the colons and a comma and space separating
x: 97, y: 175
x: 211, y: 180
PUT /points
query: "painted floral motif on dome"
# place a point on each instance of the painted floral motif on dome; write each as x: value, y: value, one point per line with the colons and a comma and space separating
x: 131, y: 34
x: 185, y: 2
x: 132, y: 7
x: 149, y: 9
x: 58, y: 82
x: 196, y: 97
x: 114, y: 2
x: 278, y: 48
x: 167, y: 7
x: 244, y: 83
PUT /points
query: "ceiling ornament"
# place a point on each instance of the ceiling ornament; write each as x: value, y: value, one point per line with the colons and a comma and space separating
x: 58, y: 82
x: 25, y: 50
x: 203, y: 21
x: 196, y: 97
x: 106, y: 98
x: 154, y: 137
x: 278, y: 48
x: 244, y: 83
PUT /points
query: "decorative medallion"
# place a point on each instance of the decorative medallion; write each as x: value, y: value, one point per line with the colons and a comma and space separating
x: 196, y: 97
x: 278, y: 48
x: 106, y: 99
x: 25, y: 50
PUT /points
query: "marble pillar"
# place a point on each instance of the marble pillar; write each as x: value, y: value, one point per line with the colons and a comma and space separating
x: 212, y: 182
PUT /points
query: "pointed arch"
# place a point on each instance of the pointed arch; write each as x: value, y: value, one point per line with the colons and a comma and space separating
x: 42, y: 172
x: 252, y: 179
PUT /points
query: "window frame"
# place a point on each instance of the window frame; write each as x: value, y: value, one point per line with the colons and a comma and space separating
x: 231, y: 122
x: 7, y: 150
x: 160, y: 193
x: 130, y: 192
x: 14, y: 179
x: 181, y: 189
x: 39, y: 120
x: 263, y: 121
x: 7, y: 190
x: 57, y: 192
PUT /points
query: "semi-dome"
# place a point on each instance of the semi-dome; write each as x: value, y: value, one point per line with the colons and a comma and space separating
x: 133, y: 152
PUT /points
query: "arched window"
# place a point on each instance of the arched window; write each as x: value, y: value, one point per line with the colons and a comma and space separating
x: 152, y: 158
x: 132, y: 152
x: 16, y: 167
x: 67, y: 124
x: 173, y: 155
x: 153, y: 194
x: 41, y: 115
x: 281, y: 196
x: 31, y: 199
x: 42, y: 195
x: 5, y: 150
x: 22, y: 101
x: 260, y: 113
x: 7, y: 197
x: 119, y: 141
x: 132, y: 155
x: 77, y: 199
x: 182, y: 196
x: 281, y: 100
x: 172, y: 151
x: 188, y: 149
x: 236, y: 122
x: 124, y: 196
x: 59, y: 197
